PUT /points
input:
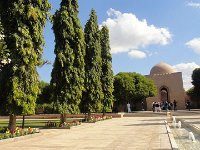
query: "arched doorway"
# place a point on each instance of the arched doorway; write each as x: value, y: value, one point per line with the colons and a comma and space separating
x: 164, y: 94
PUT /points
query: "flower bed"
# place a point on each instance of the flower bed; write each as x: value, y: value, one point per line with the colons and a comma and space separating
x: 5, y: 133
x: 96, y: 118
x: 65, y: 125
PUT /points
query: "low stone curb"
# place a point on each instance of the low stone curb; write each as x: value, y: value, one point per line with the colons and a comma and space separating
x: 15, y: 139
x: 56, y: 127
x: 171, y: 137
x: 41, y: 133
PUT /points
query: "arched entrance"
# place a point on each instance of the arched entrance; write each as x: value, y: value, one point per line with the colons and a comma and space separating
x: 164, y: 94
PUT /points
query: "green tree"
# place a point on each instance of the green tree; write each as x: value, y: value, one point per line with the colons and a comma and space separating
x: 44, y: 103
x: 4, y: 52
x: 191, y: 92
x: 93, y: 88
x: 107, y: 73
x: 23, y: 23
x: 132, y: 87
x: 196, y: 78
x: 194, y: 92
x: 124, y: 88
x: 68, y: 72
x: 45, y: 93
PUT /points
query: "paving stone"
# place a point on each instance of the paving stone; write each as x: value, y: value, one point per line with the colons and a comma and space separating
x: 115, y: 134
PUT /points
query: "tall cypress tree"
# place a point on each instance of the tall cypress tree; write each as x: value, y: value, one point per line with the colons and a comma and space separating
x: 4, y: 52
x: 23, y: 22
x: 107, y: 73
x: 68, y: 71
x: 93, y: 90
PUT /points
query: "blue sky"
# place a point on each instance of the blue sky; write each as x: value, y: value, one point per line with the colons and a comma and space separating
x: 143, y: 33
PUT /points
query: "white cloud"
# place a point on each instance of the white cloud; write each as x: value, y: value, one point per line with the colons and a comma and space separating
x: 192, y: 4
x: 186, y: 69
x: 128, y: 32
x: 150, y: 53
x: 137, y: 54
x: 194, y: 44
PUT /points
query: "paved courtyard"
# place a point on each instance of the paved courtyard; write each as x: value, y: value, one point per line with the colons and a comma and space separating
x: 128, y: 133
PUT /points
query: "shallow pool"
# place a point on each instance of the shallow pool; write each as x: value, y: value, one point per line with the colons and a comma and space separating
x: 181, y: 137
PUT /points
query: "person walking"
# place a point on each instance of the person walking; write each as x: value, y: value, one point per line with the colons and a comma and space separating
x: 174, y: 104
x: 129, y: 108
x: 188, y: 105
x: 142, y: 105
x: 166, y: 105
x: 153, y: 106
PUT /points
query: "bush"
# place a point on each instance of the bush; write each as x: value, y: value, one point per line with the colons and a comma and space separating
x: 67, y: 125
x: 96, y: 118
x: 44, y: 108
x: 2, y: 129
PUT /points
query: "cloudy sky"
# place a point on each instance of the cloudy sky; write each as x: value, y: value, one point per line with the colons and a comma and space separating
x: 142, y: 34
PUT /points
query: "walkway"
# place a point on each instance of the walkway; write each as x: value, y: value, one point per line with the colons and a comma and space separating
x: 128, y: 133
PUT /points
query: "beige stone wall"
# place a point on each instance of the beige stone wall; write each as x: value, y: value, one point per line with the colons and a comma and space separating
x: 174, y: 83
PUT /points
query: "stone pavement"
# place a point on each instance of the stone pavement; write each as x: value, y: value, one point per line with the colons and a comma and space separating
x: 128, y: 133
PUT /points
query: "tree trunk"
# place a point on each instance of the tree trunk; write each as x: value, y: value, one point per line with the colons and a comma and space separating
x: 89, y: 116
x: 85, y: 116
x: 54, y: 107
x: 104, y: 114
x: 63, y: 118
x: 12, y: 123
x: 23, y: 120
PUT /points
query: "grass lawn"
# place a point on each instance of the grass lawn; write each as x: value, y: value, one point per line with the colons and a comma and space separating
x: 39, y: 123
x: 32, y: 123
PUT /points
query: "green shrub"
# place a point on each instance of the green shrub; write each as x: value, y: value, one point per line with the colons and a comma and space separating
x: 44, y: 108
x: 2, y: 129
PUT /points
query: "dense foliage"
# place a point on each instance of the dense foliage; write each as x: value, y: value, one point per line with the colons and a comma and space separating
x: 196, y: 78
x: 4, y: 52
x: 23, y: 23
x: 45, y: 93
x: 93, y: 71
x: 68, y: 72
x: 107, y: 73
x: 194, y: 92
x: 130, y: 87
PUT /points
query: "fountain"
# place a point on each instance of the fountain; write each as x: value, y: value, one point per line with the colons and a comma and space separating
x: 184, y: 136
x: 191, y: 137
x: 174, y: 121
x: 179, y: 124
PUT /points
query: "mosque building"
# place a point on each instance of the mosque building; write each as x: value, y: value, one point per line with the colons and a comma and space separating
x: 169, y: 85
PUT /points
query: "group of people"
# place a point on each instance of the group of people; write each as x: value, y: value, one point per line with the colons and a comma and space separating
x: 158, y: 106
x: 164, y: 105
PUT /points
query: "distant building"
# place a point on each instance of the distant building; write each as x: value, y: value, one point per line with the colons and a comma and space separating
x: 169, y: 86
